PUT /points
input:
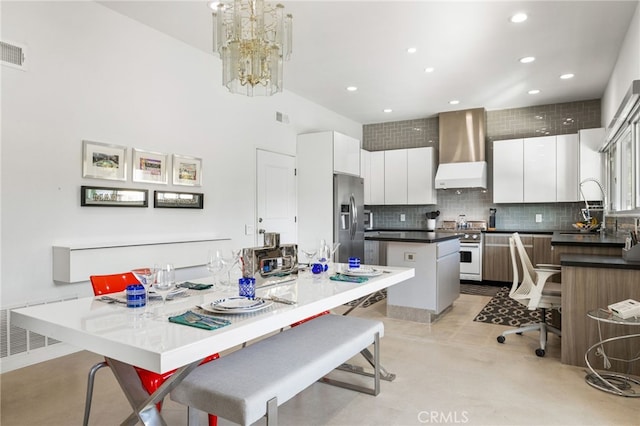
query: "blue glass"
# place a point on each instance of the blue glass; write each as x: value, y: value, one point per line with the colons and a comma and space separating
x: 136, y: 296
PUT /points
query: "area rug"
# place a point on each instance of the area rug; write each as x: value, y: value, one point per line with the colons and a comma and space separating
x: 374, y: 298
x: 479, y: 289
x: 502, y: 310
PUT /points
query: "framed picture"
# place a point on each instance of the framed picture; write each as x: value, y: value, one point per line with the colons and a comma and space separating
x: 178, y: 200
x: 187, y: 170
x: 98, y: 196
x: 104, y: 161
x: 149, y: 167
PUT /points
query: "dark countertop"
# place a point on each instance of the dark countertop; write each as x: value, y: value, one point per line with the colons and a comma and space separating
x: 407, y: 236
x: 520, y: 231
x: 596, y: 261
x: 585, y: 239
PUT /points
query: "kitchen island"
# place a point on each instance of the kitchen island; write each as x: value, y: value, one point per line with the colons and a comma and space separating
x: 587, y: 243
x: 436, y: 284
x: 594, y: 275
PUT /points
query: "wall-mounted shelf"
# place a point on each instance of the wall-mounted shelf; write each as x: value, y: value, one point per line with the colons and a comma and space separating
x: 76, y: 262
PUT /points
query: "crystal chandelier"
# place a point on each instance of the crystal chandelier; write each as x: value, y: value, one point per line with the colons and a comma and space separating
x: 252, y: 38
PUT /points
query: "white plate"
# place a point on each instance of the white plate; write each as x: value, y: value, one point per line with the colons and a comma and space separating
x: 236, y: 305
x: 359, y: 272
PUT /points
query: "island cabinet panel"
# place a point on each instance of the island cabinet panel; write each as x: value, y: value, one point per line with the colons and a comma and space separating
x: 559, y: 250
x: 586, y: 289
x: 496, y: 258
x: 542, y: 251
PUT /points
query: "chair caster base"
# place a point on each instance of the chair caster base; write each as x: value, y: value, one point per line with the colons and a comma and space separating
x: 501, y: 339
x: 540, y: 352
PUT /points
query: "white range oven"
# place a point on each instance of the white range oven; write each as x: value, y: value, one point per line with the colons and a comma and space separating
x: 470, y: 248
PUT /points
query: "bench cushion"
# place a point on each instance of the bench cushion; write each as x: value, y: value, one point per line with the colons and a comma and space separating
x: 238, y: 386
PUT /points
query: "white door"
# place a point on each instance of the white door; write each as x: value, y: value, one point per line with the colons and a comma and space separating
x: 276, y: 192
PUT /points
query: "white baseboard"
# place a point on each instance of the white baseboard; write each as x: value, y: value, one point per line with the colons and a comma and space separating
x: 25, y: 359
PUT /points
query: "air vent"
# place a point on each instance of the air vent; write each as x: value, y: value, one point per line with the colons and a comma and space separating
x: 13, y: 55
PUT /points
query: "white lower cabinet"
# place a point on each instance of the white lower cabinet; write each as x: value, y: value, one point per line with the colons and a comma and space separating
x: 436, y: 283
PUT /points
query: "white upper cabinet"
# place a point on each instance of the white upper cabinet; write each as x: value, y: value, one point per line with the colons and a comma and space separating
x: 536, y: 170
x: 365, y: 173
x: 508, y: 171
x: 399, y: 176
x: 591, y: 162
x: 346, y: 154
x: 421, y: 169
x: 395, y: 176
x: 540, y: 169
x: 567, y: 168
x: 377, y: 178
x: 330, y: 151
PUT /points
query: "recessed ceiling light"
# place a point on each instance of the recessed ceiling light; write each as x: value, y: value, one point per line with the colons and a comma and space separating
x: 387, y: 110
x: 454, y: 102
x: 429, y: 69
x: 213, y: 4
x: 533, y: 92
x: 567, y: 76
x: 412, y: 50
x: 519, y: 17
x: 352, y: 88
x: 527, y: 59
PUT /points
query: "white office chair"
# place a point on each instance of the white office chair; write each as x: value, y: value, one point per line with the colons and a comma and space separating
x: 533, y: 291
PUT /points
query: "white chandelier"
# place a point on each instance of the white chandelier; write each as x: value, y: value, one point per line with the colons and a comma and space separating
x: 253, y: 38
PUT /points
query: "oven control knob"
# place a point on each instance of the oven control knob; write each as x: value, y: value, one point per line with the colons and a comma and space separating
x: 466, y: 236
x: 475, y: 237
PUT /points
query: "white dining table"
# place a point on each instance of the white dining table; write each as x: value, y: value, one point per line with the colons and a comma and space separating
x: 144, y: 337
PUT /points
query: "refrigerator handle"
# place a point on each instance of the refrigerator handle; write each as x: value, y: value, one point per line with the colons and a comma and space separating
x: 354, y: 216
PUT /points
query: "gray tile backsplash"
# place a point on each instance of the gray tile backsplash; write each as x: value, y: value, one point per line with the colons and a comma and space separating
x: 474, y: 203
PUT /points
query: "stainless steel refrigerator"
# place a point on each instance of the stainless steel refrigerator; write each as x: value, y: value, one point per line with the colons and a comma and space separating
x: 348, y: 217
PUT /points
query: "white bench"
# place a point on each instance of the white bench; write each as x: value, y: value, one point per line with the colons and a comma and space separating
x: 252, y: 382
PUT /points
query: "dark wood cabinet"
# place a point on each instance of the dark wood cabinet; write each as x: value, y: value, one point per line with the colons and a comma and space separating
x: 496, y: 257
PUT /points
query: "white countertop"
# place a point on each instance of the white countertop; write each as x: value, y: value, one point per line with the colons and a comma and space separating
x: 152, y: 342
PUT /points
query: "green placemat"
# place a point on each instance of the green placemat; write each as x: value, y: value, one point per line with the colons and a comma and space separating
x: 199, y: 321
x: 347, y: 278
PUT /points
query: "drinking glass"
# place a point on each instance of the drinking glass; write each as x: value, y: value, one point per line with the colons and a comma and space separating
x: 146, y: 276
x: 309, y: 254
x: 215, y: 265
x: 165, y: 282
x: 324, y: 252
x: 334, y: 249
x: 235, y: 262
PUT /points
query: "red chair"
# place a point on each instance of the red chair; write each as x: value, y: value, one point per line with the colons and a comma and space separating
x: 295, y: 324
x: 105, y: 284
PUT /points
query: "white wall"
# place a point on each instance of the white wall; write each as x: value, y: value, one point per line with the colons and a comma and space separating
x: 626, y: 70
x: 94, y: 74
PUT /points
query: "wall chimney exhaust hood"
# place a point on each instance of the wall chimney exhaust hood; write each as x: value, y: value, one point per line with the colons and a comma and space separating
x: 462, y: 150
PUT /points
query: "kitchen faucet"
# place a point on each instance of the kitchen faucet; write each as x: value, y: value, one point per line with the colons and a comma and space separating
x: 586, y: 212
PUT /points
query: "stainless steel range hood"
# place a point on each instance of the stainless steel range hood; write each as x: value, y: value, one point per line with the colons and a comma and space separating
x: 462, y: 150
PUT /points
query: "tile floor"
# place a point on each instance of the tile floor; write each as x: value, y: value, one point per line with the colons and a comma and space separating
x: 450, y: 372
